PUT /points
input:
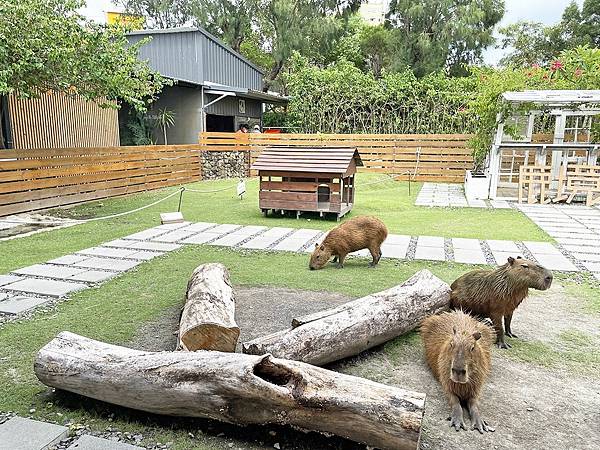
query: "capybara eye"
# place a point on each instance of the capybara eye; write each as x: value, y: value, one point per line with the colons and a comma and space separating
x: 472, y: 348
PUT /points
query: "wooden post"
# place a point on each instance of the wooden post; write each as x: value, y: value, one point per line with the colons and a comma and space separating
x: 234, y: 388
x: 359, y: 325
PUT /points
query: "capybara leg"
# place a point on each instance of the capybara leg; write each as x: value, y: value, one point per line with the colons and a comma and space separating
x: 507, y: 330
x: 478, y: 423
x: 497, y: 321
x: 456, y: 417
x: 340, y: 264
x: 376, y: 254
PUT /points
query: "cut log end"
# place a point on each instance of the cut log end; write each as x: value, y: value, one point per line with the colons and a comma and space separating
x: 210, y: 337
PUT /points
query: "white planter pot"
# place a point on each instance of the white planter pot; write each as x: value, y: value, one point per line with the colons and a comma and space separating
x: 477, y: 187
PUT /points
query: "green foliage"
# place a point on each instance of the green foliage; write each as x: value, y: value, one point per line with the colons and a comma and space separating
x: 165, y: 118
x: 47, y: 45
x: 436, y: 34
x: 343, y: 99
x: 137, y: 130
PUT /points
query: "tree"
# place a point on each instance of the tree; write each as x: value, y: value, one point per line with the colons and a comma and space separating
x: 46, y: 45
x: 165, y: 118
x: 437, y: 34
x: 531, y: 42
x: 159, y: 13
x: 376, y: 44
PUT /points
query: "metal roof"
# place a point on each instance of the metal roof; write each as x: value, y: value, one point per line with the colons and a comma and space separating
x: 307, y: 159
x: 554, y: 98
x: 219, y: 89
x: 195, y: 56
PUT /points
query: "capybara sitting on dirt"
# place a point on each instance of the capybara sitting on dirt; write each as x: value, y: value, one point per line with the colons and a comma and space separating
x: 351, y: 236
x: 497, y: 293
x: 458, y: 351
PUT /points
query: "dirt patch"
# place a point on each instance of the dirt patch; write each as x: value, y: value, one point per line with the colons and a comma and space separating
x: 530, y: 407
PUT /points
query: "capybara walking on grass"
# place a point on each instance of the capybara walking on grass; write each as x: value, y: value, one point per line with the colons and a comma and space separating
x: 351, y: 236
x: 458, y: 351
x: 497, y: 293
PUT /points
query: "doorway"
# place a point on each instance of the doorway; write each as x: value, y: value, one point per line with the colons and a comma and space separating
x: 221, y: 124
x: 323, y: 196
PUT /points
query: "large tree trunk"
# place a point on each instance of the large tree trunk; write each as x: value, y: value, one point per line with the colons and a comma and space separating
x: 359, y: 325
x: 207, y: 321
x: 234, y: 388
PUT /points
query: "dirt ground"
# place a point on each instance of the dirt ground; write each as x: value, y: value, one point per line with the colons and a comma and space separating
x: 530, y: 407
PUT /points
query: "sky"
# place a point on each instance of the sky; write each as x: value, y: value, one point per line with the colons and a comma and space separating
x: 545, y: 11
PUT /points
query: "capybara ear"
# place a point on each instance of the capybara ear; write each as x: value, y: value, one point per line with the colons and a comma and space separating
x: 477, y: 335
x: 323, y: 247
x: 511, y: 260
x: 316, y: 245
x: 519, y: 257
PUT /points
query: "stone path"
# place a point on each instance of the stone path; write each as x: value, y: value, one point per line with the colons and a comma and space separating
x: 576, y: 228
x: 19, y: 433
x: 29, y: 287
x: 453, y: 195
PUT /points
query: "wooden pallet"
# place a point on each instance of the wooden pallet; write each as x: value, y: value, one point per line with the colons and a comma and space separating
x: 532, y: 179
x: 580, y: 179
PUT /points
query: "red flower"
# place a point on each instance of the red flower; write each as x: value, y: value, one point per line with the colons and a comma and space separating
x: 536, y: 66
x: 556, y: 65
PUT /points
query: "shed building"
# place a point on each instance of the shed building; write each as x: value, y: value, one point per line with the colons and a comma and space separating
x: 215, y: 88
x: 307, y: 179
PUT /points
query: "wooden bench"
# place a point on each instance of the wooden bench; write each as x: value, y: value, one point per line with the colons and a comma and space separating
x: 579, y: 179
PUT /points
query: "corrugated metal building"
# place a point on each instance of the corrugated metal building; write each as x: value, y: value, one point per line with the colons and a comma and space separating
x: 216, y: 88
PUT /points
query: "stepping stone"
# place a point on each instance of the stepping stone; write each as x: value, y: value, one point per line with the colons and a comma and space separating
x: 469, y: 256
x: 593, y: 249
x: 297, y: 240
x: 502, y: 257
x: 144, y: 255
x: 225, y: 228
x: 542, y: 248
x: 119, y: 243
x: 49, y: 271
x: 173, y: 226
x: 26, y: 434
x: 597, y: 276
x: 592, y: 266
x: 466, y: 244
x: 267, y: 238
x: 7, y: 279
x: 397, y: 239
x: 430, y: 241
x: 93, y: 276
x: 68, y: 260
x: 430, y: 253
x: 200, y: 226
x: 87, y: 442
x: 51, y: 288
x: 563, y: 235
x: 3, y: 295
x: 117, y: 265
x: 202, y: 238
x: 556, y: 262
x: 154, y: 246
x: 397, y: 251
x: 175, y: 236
x: 147, y: 234
x: 587, y: 257
x: 504, y: 246
x: 107, y: 252
x: 500, y: 204
x: 17, y: 305
x: 578, y: 241
x: 229, y: 240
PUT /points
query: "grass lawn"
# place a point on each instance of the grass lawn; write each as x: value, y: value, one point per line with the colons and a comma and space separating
x: 389, y: 200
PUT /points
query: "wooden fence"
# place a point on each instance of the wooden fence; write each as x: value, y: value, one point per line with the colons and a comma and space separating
x: 422, y: 157
x: 44, y: 178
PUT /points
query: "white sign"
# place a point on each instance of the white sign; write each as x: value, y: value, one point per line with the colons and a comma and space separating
x: 242, y: 106
x: 241, y: 188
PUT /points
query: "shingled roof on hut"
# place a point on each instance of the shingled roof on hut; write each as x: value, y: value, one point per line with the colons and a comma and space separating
x: 300, y: 179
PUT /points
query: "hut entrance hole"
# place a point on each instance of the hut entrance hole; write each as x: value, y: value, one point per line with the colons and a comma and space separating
x: 323, y: 196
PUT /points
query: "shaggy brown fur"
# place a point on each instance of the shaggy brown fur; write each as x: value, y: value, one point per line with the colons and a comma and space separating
x: 497, y: 293
x: 458, y: 351
x: 351, y: 236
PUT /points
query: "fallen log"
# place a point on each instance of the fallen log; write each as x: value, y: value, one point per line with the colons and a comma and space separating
x: 234, y: 388
x: 207, y: 320
x: 349, y: 329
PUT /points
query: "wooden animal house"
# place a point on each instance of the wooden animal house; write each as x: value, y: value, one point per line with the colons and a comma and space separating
x: 307, y: 179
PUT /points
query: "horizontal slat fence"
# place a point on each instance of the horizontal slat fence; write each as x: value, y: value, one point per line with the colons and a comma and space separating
x: 35, y: 179
x: 423, y: 157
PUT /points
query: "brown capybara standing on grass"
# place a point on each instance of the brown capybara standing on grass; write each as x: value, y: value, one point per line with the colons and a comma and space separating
x: 458, y: 351
x: 497, y: 293
x: 351, y: 236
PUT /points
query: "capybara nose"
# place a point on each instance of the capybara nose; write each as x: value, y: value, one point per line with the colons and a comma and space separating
x: 548, y: 279
x: 311, y: 267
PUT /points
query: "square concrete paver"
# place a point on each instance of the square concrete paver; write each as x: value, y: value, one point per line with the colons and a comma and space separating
x: 397, y: 251
x: 93, y: 276
x: 175, y: 235
x: 107, y: 252
x: 582, y: 249
x: 469, y: 256
x: 87, y: 442
x: 587, y: 257
x: 49, y: 271
x: 147, y: 234
x: 68, y: 259
x: 119, y: 243
x: 143, y: 255
x: 200, y: 226
x: 267, y: 238
x: 19, y: 304
x: 397, y: 239
x: 173, y: 226
x: 542, y: 248
x: 154, y: 246
x: 231, y: 239
x: 225, y: 228
x: 116, y: 265
x: 504, y: 246
x: 430, y: 241
x: 592, y: 266
x: 26, y: 434
x: 466, y: 244
x: 7, y: 279
x: 556, y: 262
x: 502, y: 257
x: 430, y: 253
x: 51, y: 288
x: 202, y: 238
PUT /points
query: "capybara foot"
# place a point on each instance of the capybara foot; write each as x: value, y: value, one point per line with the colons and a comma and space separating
x: 510, y: 334
x: 503, y: 345
x: 456, y: 419
x: 339, y: 266
x: 481, y: 425
x: 372, y: 264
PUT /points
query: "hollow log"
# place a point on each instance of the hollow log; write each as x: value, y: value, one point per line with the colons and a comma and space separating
x: 349, y: 329
x: 234, y: 388
x: 207, y: 320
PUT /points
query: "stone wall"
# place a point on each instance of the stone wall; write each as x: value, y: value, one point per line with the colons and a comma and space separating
x: 224, y: 165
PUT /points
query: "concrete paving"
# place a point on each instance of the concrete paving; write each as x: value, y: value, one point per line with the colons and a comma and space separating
x: 116, y: 265
x: 18, y: 304
x: 19, y: 433
x: 7, y: 279
x: 268, y: 238
x: 87, y: 442
x: 49, y: 288
x: 446, y: 195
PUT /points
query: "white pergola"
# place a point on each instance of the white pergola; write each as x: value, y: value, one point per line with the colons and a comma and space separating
x: 577, y: 107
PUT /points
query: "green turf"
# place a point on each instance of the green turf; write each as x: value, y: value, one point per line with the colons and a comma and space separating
x: 388, y: 200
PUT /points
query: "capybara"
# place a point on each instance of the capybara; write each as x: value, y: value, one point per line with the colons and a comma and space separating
x: 458, y: 351
x: 497, y: 293
x: 351, y: 236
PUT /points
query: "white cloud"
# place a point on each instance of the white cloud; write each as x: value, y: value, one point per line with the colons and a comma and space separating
x: 96, y: 9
